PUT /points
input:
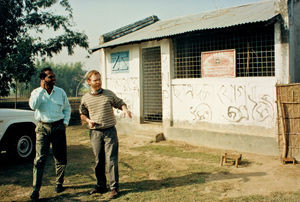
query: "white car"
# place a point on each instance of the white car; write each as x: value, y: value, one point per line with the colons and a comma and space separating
x: 17, y: 133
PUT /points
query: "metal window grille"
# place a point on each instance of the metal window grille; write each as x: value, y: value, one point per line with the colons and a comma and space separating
x: 152, y: 92
x: 254, y: 47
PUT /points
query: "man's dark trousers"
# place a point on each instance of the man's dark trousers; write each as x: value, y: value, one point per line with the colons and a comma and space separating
x: 105, y: 147
x: 46, y: 134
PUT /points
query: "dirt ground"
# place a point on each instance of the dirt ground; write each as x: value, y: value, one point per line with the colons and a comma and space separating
x: 264, y: 175
x: 257, y: 174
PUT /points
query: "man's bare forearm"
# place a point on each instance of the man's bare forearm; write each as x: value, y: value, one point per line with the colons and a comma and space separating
x: 84, y: 118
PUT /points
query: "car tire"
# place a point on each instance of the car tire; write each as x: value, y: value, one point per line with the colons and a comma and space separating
x: 22, y: 145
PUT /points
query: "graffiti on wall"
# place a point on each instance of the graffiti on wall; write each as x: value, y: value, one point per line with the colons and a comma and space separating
x: 243, y: 101
x: 127, y: 89
x: 263, y: 108
x: 130, y: 84
x: 199, y: 108
x: 232, y: 103
x: 234, y: 98
x: 201, y: 112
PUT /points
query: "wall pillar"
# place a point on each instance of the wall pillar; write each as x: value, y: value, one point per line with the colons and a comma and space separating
x: 103, y: 67
x: 281, y: 55
x: 166, y: 67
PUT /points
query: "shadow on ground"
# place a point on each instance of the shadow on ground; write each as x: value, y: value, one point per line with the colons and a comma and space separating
x: 194, y: 178
x: 20, y: 173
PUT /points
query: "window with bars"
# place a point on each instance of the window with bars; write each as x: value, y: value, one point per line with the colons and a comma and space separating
x: 254, y: 45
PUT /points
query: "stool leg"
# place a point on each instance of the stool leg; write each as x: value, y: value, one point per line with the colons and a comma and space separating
x: 236, y: 162
x: 222, y: 160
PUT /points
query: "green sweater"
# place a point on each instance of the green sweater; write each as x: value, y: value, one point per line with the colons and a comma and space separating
x: 99, y: 108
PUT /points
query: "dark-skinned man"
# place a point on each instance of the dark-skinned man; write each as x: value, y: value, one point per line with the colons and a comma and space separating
x: 52, y: 111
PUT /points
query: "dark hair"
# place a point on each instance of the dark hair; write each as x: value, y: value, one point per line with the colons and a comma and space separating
x: 43, y: 72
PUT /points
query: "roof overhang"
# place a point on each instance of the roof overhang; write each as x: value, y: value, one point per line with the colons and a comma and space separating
x: 234, y: 16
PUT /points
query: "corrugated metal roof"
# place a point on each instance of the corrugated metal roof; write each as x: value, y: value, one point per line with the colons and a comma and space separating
x: 249, y: 13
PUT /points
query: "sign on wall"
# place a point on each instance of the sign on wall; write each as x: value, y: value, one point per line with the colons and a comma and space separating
x: 219, y: 63
x: 119, y: 62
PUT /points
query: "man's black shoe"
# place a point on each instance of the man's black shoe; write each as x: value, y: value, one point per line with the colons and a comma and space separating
x: 59, y: 188
x: 101, y: 190
x: 34, y: 195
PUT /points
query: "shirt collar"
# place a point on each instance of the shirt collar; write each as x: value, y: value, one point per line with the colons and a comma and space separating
x: 98, y: 92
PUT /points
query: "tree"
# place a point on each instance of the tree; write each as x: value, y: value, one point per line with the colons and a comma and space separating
x: 68, y: 77
x: 23, y: 24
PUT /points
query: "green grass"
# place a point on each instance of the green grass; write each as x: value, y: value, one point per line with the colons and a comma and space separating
x: 150, y: 172
x: 181, y: 152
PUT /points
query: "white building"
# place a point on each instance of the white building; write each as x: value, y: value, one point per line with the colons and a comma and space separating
x: 208, y: 79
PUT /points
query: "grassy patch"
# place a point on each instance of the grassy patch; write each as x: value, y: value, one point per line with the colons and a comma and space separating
x: 177, y: 151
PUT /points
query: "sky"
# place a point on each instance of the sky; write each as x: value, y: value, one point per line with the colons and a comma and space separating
x: 97, y: 17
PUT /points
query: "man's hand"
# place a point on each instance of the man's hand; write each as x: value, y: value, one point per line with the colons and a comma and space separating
x: 126, y: 111
x: 46, y: 86
x: 43, y: 84
x: 91, y: 123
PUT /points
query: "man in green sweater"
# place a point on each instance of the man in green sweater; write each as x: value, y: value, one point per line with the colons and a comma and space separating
x: 96, y: 109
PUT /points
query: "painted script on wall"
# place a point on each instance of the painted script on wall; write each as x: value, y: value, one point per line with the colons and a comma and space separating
x: 219, y: 63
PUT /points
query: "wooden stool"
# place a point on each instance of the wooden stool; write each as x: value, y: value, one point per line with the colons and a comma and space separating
x: 232, y: 159
x: 288, y: 160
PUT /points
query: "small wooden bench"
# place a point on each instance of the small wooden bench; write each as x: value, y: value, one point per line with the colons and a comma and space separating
x: 288, y: 160
x: 232, y: 159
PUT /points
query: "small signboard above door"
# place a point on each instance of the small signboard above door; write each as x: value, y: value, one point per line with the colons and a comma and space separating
x: 119, y: 62
x: 219, y: 63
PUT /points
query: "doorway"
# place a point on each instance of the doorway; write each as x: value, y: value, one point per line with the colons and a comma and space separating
x: 152, y: 88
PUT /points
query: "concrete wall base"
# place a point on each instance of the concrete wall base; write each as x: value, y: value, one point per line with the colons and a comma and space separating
x: 149, y: 130
x: 237, y: 142
x: 241, y: 143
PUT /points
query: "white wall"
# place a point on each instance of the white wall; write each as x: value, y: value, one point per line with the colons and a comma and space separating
x: 238, y: 105
x: 126, y: 85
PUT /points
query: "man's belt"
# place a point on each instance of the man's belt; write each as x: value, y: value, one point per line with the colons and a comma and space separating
x: 61, y: 121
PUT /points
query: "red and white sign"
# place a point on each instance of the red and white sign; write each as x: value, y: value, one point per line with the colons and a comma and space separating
x: 219, y: 63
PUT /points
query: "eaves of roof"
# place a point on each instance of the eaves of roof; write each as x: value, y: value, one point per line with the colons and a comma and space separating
x: 233, y: 16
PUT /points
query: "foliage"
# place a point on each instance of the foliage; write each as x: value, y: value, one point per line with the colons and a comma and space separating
x: 24, y: 26
x: 68, y: 77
